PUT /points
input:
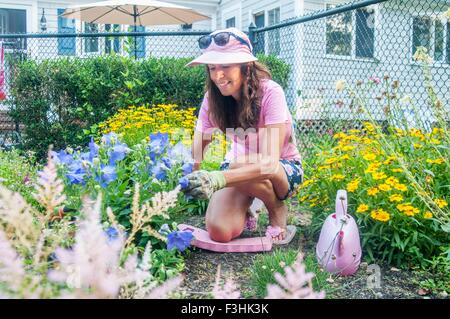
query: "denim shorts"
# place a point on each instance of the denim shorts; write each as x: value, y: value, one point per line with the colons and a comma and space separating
x: 292, y: 168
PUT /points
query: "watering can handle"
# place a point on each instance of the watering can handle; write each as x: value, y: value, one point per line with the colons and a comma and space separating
x: 341, y: 204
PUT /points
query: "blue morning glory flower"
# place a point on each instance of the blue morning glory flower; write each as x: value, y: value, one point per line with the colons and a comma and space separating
x: 118, y: 152
x: 108, y: 175
x: 86, y: 156
x: 187, y: 168
x: 61, y: 157
x: 183, y: 182
x: 180, y: 153
x: 76, y: 177
x: 76, y: 173
x: 108, y: 138
x: 157, y: 144
x: 112, y: 233
x: 159, y: 137
x: 167, y: 161
x: 179, y: 240
x: 159, y: 170
x: 93, y: 149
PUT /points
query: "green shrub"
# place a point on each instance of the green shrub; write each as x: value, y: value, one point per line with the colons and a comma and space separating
x: 18, y: 173
x: 55, y: 99
x: 280, y: 70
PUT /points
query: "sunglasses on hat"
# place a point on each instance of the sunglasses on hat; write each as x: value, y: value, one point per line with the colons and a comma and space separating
x: 221, y: 39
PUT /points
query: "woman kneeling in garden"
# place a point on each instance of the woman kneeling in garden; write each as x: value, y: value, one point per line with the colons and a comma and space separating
x: 242, y: 101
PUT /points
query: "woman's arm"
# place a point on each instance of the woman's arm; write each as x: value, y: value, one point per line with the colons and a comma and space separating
x: 199, y: 146
x: 267, y: 162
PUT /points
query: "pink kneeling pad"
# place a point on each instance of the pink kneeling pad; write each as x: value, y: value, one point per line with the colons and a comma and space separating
x: 242, y: 245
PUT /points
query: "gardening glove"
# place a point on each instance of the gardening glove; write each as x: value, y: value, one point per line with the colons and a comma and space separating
x: 202, y: 184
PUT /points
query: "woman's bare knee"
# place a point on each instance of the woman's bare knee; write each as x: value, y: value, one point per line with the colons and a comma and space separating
x: 219, y: 233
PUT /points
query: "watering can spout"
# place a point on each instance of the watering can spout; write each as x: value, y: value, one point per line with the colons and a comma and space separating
x: 341, y: 204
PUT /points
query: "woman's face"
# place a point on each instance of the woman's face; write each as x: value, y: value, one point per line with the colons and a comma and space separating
x: 227, y: 78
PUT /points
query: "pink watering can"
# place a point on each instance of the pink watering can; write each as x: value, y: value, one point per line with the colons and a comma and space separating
x: 339, y: 247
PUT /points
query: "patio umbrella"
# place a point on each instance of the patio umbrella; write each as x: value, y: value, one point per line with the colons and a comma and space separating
x: 134, y: 13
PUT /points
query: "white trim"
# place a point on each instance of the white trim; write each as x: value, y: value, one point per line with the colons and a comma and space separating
x: 299, y: 8
x: 348, y: 58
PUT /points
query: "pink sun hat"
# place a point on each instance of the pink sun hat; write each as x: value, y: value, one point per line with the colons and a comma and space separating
x: 238, y: 49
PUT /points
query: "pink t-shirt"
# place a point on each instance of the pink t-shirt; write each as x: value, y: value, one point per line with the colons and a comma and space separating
x: 274, y: 110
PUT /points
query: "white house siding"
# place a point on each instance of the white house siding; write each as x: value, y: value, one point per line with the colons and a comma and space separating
x: 392, y: 48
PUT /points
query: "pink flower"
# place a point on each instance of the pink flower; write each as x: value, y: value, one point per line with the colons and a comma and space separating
x: 340, y: 103
x: 273, y: 231
x: 374, y: 79
x: 251, y: 223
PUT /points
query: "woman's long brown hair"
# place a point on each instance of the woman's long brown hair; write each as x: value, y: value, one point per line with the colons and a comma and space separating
x: 226, y: 112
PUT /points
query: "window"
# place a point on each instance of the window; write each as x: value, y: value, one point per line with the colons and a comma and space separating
x: 14, y: 21
x: 66, y: 46
x: 432, y: 34
x: 137, y: 44
x: 112, y: 44
x: 230, y: 23
x: 447, y: 47
x: 351, y: 33
x: 186, y: 27
x: 274, y: 35
x: 91, y: 43
x: 421, y: 33
x: 339, y: 33
x: 438, y: 41
x: 259, y: 45
x: 364, y: 33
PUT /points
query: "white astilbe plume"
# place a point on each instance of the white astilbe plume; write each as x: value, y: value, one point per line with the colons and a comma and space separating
x: 296, y: 284
x: 161, y: 203
x: 141, y: 217
x: 228, y: 291
x: 12, y: 272
x: 143, y: 281
x: 162, y: 291
x: 16, y: 220
x: 49, y: 189
x: 143, y: 285
x: 91, y: 268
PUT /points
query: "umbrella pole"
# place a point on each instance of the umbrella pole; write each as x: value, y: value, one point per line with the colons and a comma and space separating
x: 135, y: 46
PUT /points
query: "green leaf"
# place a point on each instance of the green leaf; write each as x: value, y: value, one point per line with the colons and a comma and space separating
x: 398, y: 241
x: 429, y: 172
x: 446, y: 227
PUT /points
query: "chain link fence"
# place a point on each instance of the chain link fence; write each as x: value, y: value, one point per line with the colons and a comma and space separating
x: 357, y: 41
x: 362, y: 42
